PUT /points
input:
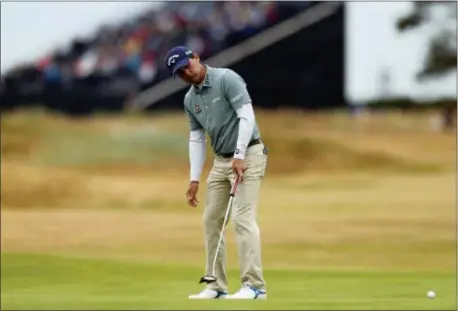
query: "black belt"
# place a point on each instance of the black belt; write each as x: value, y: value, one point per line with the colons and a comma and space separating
x: 230, y: 155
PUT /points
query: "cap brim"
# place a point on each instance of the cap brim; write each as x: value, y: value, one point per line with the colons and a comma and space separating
x: 182, y: 63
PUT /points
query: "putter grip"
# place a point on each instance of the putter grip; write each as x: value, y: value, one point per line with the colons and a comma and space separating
x: 234, y: 187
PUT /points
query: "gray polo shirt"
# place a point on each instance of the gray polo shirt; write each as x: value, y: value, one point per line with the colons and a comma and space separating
x: 213, y: 108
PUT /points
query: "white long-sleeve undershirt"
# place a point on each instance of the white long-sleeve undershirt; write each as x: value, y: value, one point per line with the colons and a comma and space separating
x: 246, y: 128
x: 197, y: 148
x: 196, y: 153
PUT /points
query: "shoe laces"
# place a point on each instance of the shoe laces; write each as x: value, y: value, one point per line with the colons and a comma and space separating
x: 244, y: 288
x: 205, y: 291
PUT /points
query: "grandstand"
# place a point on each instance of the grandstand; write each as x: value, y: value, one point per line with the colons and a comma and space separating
x: 120, y: 61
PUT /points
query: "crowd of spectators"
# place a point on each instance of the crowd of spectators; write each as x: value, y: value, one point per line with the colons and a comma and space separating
x: 120, y: 60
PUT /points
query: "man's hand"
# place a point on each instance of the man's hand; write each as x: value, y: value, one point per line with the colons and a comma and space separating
x: 192, y: 192
x: 238, y: 165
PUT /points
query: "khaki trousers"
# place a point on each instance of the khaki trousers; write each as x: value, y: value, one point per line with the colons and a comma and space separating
x: 243, y: 215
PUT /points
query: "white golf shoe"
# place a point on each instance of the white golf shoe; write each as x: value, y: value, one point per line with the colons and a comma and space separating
x: 209, y: 294
x: 248, y: 292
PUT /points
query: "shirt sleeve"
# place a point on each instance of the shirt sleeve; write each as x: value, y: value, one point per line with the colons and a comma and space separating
x: 246, y: 128
x: 235, y: 90
x: 196, y: 145
x: 196, y: 153
x: 194, y: 125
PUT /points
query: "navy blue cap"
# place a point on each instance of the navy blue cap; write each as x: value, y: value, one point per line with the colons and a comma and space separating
x: 177, y: 57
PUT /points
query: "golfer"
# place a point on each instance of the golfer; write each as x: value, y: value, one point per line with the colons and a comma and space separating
x: 218, y: 103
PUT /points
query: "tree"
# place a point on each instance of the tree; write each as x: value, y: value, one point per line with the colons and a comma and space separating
x: 441, y: 55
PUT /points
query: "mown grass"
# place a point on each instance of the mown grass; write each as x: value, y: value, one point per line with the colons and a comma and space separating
x: 55, y: 283
x: 354, y: 213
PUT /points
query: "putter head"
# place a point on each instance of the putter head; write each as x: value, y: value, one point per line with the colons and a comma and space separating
x: 207, y: 279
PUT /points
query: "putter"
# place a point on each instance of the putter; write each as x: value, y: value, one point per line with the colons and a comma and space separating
x: 212, y: 278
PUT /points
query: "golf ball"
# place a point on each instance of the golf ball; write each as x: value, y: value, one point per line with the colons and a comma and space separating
x: 431, y: 294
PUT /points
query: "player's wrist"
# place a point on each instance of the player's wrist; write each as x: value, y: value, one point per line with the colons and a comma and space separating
x: 239, y: 153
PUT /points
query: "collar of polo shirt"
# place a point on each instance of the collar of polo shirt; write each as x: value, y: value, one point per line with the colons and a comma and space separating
x: 207, y: 80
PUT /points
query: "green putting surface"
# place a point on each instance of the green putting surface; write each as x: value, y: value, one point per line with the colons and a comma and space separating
x: 44, y: 282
